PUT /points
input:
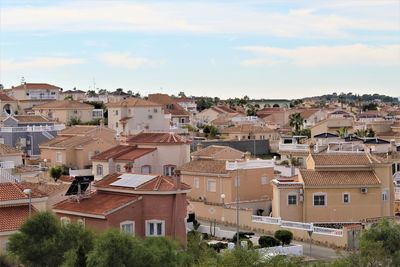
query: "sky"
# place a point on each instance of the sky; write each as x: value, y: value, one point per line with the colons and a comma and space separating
x: 262, y: 49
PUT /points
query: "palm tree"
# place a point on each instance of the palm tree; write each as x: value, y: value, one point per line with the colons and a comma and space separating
x: 342, y: 132
x: 296, y: 122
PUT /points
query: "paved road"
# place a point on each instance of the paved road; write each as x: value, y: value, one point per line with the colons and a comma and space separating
x: 317, y: 252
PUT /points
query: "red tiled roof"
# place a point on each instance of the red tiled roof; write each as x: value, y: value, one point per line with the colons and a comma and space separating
x: 159, y: 183
x: 170, y: 104
x: 63, y: 104
x: 338, y: 178
x: 97, y: 204
x: 34, y: 86
x: 13, y: 191
x: 157, y: 138
x: 133, y: 102
x: 341, y: 159
x: 12, y: 217
x: 4, y: 97
x: 123, y: 152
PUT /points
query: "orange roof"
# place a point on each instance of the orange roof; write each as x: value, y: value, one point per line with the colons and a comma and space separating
x: 4, y: 97
x: 305, y: 114
x: 341, y: 159
x: 84, y: 130
x: 7, y: 150
x: 213, y: 150
x: 30, y: 119
x: 157, y: 138
x: 170, y: 105
x: 12, y: 217
x: 205, y: 166
x: 338, y: 178
x: 247, y: 128
x: 13, y: 191
x: 63, y: 104
x: 36, y: 86
x: 123, y: 152
x: 97, y: 204
x: 133, y: 102
x: 157, y: 184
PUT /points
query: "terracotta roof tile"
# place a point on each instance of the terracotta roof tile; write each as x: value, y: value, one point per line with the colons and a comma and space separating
x: 305, y: 114
x: 68, y: 141
x: 333, y: 178
x: 247, y: 128
x: 30, y: 118
x: 84, y: 130
x: 157, y: 138
x: 12, y: 217
x: 4, y: 97
x: 7, y: 150
x: 170, y: 105
x: 13, y: 191
x: 63, y: 104
x: 123, y: 152
x: 33, y: 86
x: 212, y: 151
x: 205, y: 166
x: 97, y: 204
x: 341, y: 159
x: 133, y: 102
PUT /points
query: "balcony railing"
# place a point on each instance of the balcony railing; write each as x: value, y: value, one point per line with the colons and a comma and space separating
x: 7, y: 165
x: 293, y: 147
x: 41, y: 128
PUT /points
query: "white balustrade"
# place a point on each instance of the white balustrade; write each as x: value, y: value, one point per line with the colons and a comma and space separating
x: 41, y: 128
x: 293, y: 147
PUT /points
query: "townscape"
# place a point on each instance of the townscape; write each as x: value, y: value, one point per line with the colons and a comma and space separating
x: 210, y: 133
x: 324, y: 168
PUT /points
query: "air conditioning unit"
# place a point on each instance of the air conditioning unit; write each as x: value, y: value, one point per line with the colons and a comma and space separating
x: 364, y: 190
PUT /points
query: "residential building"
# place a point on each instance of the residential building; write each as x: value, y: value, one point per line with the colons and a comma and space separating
x: 275, y: 117
x: 134, y: 115
x: 27, y: 132
x: 249, y: 131
x: 332, y: 125
x: 336, y: 188
x: 33, y: 94
x: 75, y: 146
x: 179, y: 116
x: 140, y: 205
x: 77, y: 95
x: 312, y: 116
x: 212, y: 182
x: 210, y: 114
x: 215, y: 152
x: 145, y: 153
x: 189, y: 104
x: 8, y: 105
x: 14, y: 208
x: 10, y: 154
x: 64, y: 111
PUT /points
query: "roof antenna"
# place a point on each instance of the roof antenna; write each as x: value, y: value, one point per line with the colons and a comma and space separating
x: 23, y: 80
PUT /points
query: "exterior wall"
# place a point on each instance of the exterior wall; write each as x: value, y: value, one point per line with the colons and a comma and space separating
x: 50, y: 155
x: 81, y: 154
x: 13, y: 105
x: 65, y: 115
x: 284, y: 210
x: 361, y: 206
x: 17, y: 159
x: 207, y: 115
x: 384, y: 173
x: 262, y: 147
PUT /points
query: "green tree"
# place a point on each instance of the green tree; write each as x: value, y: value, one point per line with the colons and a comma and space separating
x: 342, y: 132
x: 296, y: 122
x: 284, y: 236
x: 268, y: 241
x: 161, y: 251
x: 56, y: 172
x: 210, y: 130
x: 91, y: 93
x: 181, y: 94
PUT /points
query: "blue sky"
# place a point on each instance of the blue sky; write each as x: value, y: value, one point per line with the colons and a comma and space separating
x: 269, y: 49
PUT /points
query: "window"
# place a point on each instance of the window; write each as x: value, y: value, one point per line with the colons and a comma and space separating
x: 99, y: 170
x: 65, y: 220
x: 146, y: 169
x: 292, y: 199
x: 118, y: 168
x: 22, y: 141
x: 264, y: 180
x: 116, y: 125
x: 116, y: 112
x: 319, y: 199
x: 58, y: 157
x: 169, y: 170
x: 385, y: 194
x: 155, y: 110
x: 346, y: 198
x: 211, y: 186
x: 127, y: 227
x: 155, y: 228
x: 196, y: 183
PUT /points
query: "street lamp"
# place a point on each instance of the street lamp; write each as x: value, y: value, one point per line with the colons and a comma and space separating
x: 28, y: 192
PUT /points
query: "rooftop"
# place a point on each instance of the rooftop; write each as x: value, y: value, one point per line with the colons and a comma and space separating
x: 12, y: 217
x: 84, y: 130
x: 205, y: 166
x: 36, y: 86
x: 213, y: 150
x: 30, y: 119
x: 341, y: 159
x: 4, y: 97
x: 133, y: 102
x: 123, y: 152
x: 63, y: 104
x: 7, y: 150
x: 14, y: 191
x: 157, y: 138
x: 337, y: 178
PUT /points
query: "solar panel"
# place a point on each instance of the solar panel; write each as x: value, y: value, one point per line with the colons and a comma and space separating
x: 82, y: 181
x: 132, y: 180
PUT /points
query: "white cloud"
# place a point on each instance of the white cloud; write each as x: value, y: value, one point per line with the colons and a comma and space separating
x: 38, y: 63
x: 126, y: 60
x: 204, y: 17
x: 312, y: 56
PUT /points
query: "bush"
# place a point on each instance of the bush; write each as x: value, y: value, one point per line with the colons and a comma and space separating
x: 268, y: 241
x: 284, y: 236
x: 56, y: 172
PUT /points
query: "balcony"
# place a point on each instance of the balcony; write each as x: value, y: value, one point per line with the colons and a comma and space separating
x: 42, y: 96
x: 42, y: 128
x: 293, y: 147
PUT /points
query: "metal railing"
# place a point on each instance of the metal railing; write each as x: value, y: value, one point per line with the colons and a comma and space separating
x: 297, y: 225
x: 41, y: 128
x: 7, y: 165
x: 7, y: 177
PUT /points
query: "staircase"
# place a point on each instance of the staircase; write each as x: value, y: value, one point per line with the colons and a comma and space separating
x: 47, y: 135
x: 7, y: 177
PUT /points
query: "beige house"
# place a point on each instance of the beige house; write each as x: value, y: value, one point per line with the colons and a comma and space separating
x: 75, y: 146
x: 218, y: 153
x: 10, y: 154
x: 8, y: 105
x: 33, y: 94
x: 211, y: 114
x: 179, y: 116
x: 134, y: 115
x: 65, y: 110
x: 145, y: 153
x: 212, y: 183
x: 77, y: 95
x: 332, y: 125
x: 336, y: 187
x: 249, y: 131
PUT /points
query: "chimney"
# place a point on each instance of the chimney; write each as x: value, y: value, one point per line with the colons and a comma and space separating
x: 177, y: 180
x: 247, y: 155
x: 393, y: 146
x: 199, y: 146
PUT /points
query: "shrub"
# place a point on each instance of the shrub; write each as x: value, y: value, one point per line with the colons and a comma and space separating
x: 284, y: 236
x: 268, y: 241
x: 56, y: 172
